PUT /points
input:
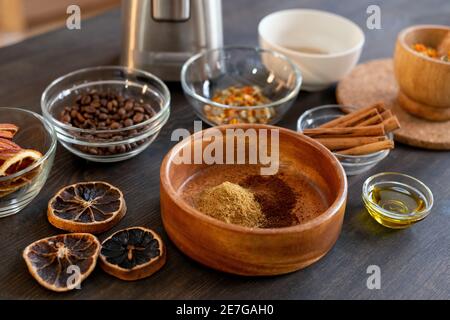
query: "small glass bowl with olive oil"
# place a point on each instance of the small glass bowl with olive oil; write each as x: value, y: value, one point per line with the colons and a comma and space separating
x: 396, y: 200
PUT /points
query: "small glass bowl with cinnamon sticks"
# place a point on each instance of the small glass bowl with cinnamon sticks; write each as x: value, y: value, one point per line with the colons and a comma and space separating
x: 359, y: 137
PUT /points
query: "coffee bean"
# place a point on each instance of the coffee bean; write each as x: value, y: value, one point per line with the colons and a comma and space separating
x: 115, y: 125
x: 110, y: 106
x: 107, y: 110
x: 86, y: 99
x: 148, y: 109
x: 122, y: 112
x: 95, y: 104
x: 138, y: 117
x: 93, y: 151
x: 128, y: 105
x: 128, y: 122
x: 139, y: 109
x: 66, y: 118
x: 121, y: 149
x: 91, y: 109
x: 80, y: 117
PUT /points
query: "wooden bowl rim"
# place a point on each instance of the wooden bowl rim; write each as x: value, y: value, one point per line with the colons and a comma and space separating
x: 404, y: 32
x: 332, y: 210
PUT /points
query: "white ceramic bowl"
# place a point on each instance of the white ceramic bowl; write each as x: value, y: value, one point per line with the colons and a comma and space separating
x: 325, y: 46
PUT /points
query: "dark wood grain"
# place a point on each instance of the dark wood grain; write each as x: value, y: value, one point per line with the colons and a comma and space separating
x: 414, y: 262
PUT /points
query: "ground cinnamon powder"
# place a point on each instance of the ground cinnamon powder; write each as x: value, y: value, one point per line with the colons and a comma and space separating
x: 276, y: 198
x: 231, y: 203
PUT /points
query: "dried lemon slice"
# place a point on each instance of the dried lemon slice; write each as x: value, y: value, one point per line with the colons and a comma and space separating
x: 132, y: 253
x: 19, y: 161
x: 62, y: 262
x: 91, y: 207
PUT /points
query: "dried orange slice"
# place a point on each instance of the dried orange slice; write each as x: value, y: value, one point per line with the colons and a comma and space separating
x: 19, y: 161
x: 62, y: 262
x: 132, y: 253
x: 8, y: 130
x: 8, y: 147
x: 91, y: 207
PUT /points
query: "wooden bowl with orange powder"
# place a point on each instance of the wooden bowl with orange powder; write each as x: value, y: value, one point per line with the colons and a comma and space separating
x: 298, y: 166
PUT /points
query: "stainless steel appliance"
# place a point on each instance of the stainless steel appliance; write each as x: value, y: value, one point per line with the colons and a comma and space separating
x: 160, y: 35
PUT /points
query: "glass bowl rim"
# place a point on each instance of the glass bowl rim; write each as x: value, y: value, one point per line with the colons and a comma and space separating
x: 165, y: 92
x: 371, y: 157
x: 390, y: 214
x: 50, y: 130
x: 293, y: 92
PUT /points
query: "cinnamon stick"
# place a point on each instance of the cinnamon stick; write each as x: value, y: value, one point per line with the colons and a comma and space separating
x: 391, y: 124
x: 347, y: 142
x: 375, y: 130
x: 351, y: 116
x: 376, y: 119
x: 368, y: 148
x: 357, y: 118
x: 386, y: 114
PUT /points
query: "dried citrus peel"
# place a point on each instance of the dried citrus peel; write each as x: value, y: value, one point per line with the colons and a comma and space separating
x: 92, y: 207
x: 132, y: 253
x: 60, y: 263
x: 19, y: 161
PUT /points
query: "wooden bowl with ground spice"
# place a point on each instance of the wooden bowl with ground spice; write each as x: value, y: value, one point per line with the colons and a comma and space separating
x: 260, y: 217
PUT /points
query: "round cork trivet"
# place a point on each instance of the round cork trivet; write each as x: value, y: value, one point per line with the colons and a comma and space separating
x: 373, y: 82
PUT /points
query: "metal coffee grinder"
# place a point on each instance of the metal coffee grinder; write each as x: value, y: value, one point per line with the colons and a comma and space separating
x: 160, y: 35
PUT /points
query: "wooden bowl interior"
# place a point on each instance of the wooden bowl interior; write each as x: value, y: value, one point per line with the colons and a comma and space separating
x: 297, y: 155
x: 431, y: 37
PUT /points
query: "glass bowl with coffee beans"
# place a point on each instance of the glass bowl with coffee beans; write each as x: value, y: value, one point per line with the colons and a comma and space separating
x: 106, y: 114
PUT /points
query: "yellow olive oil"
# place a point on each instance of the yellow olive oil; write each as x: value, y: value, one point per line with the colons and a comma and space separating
x: 395, y: 205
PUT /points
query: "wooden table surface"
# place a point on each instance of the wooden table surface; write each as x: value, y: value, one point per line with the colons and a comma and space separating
x: 415, y: 263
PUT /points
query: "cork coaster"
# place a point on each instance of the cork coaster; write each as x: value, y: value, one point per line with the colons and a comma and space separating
x: 373, y: 82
